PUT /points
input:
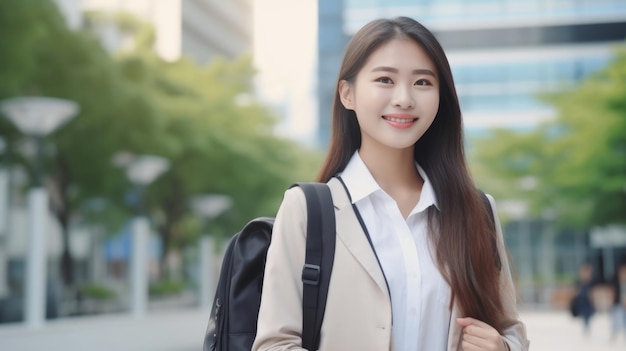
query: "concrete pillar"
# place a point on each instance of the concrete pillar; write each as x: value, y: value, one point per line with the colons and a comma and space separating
x: 139, y: 266
x: 97, y: 259
x: 4, y: 218
x: 548, y: 261
x: 35, y: 300
x: 526, y: 264
x: 207, y: 272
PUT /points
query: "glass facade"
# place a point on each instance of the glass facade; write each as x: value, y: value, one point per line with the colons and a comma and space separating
x: 514, y: 85
x: 463, y: 13
x: 504, y: 54
x: 331, y: 42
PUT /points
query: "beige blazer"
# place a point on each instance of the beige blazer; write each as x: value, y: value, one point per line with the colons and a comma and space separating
x: 358, y: 309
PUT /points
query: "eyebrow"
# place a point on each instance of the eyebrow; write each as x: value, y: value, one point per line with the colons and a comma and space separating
x: 395, y: 70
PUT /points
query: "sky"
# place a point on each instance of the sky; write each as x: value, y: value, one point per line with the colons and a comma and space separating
x: 284, y: 50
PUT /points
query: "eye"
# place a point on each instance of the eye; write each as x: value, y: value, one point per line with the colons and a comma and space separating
x: 423, y: 82
x: 384, y: 80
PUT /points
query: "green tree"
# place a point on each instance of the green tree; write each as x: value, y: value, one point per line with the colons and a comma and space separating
x: 589, y: 139
x: 218, y: 139
x: 216, y: 144
x: 578, y: 160
x: 73, y: 65
x: 193, y: 115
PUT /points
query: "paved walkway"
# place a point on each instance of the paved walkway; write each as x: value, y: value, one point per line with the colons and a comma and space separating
x: 183, y: 330
x: 550, y: 331
x: 179, y: 330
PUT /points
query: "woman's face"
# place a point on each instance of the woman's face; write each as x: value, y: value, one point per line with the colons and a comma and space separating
x: 395, y: 95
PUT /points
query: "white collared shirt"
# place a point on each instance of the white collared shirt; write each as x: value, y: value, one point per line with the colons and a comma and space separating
x: 419, y: 295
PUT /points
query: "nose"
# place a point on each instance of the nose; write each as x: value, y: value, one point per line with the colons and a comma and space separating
x: 403, y: 98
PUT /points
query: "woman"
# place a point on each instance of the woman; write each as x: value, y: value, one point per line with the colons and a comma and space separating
x: 419, y: 263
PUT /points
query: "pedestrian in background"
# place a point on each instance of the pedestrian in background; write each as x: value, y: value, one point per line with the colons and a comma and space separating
x: 618, y: 312
x: 420, y: 262
x: 582, y: 304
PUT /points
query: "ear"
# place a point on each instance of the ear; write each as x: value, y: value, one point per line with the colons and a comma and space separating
x: 346, y: 95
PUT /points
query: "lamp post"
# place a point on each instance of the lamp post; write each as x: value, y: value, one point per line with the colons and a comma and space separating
x: 37, y: 117
x: 548, y: 254
x: 141, y: 171
x: 4, y: 217
x: 208, y: 207
x: 528, y: 184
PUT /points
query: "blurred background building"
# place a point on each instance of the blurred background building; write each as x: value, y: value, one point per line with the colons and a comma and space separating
x: 201, y: 29
x: 504, y: 54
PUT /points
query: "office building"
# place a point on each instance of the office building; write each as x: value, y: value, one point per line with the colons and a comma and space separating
x: 504, y: 54
x: 200, y: 29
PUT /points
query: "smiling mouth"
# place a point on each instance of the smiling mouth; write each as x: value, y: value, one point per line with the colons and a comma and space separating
x: 399, y: 120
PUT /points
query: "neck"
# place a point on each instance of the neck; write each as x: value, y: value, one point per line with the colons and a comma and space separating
x: 391, y: 168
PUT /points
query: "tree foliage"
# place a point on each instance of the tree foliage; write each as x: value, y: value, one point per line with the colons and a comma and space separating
x: 578, y: 160
x: 201, y: 118
x: 219, y: 140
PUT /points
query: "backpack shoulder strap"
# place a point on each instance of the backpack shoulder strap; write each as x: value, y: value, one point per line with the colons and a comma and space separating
x: 320, y: 254
x: 496, y: 253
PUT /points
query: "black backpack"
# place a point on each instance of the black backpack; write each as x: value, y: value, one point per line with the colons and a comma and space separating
x: 233, y: 321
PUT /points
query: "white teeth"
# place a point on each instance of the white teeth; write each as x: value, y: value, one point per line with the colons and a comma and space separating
x: 399, y: 120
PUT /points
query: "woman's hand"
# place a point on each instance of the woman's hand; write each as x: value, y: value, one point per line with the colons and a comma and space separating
x: 480, y: 336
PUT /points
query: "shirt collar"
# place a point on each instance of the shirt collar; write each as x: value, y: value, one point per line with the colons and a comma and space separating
x: 360, y: 183
x: 427, y: 197
x: 358, y: 179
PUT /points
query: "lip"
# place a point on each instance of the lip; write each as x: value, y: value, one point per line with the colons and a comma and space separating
x: 400, y: 120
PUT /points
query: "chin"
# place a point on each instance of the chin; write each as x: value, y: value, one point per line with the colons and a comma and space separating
x: 398, y: 145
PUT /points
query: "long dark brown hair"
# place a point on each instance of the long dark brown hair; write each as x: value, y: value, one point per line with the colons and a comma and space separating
x: 465, y: 231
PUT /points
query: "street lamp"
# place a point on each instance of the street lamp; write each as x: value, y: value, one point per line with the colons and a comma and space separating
x: 4, y: 216
x: 211, y: 205
x: 37, y: 117
x: 141, y: 171
x: 548, y: 234
x: 208, y: 207
x: 529, y: 184
x: 144, y: 169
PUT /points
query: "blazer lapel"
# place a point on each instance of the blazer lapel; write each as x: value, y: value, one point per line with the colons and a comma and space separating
x: 351, y: 234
